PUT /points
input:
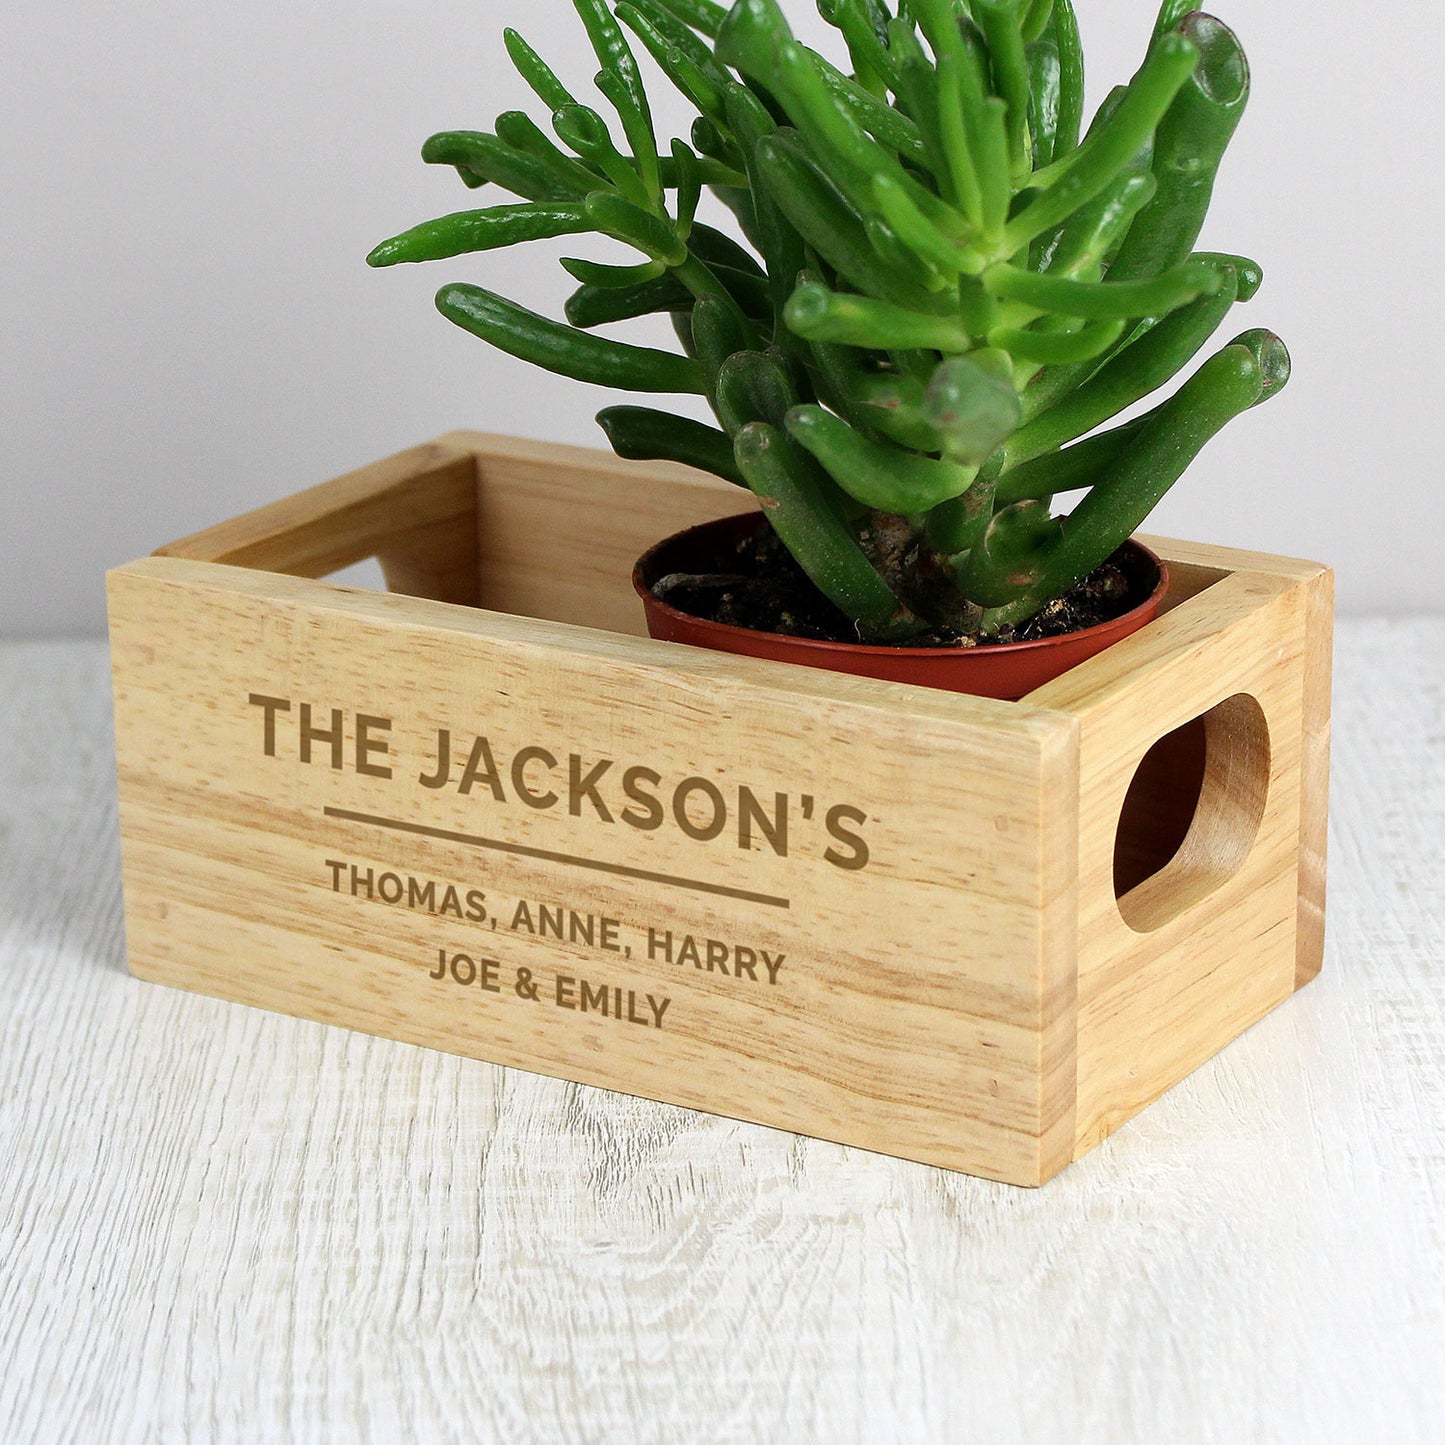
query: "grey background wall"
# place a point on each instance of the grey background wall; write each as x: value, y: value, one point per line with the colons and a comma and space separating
x: 189, y: 189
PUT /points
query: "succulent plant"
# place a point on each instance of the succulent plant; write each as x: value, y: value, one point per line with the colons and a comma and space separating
x: 944, y: 295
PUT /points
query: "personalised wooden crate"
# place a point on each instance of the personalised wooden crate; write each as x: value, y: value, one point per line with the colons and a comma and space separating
x: 480, y: 813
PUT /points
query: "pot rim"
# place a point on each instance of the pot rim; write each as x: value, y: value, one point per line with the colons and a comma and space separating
x: 867, y: 649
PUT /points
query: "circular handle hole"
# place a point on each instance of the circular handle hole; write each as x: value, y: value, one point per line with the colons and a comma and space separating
x: 1191, y: 813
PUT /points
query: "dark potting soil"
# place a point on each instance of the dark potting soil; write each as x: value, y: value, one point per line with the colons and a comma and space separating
x: 760, y: 587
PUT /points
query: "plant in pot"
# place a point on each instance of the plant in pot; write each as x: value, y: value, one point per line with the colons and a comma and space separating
x: 945, y: 297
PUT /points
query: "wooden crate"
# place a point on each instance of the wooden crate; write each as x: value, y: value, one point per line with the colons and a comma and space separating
x: 953, y: 929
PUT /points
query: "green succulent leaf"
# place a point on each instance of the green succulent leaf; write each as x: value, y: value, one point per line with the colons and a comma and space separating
x: 692, y: 79
x: 828, y: 222
x: 866, y: 38
x: 640, y: 434
x: 590, y: 306
x: 1104, y: 300
x: 637, y: 127
x: 619, y: 218
x: 891, y: 404
x: 1034, y: 19
x: 536, y: 72
x: 713, y: 141
x: 1188, y: 146
x: 1043, y: 100
x: 972, y: 405
x: 1086, y: 240
x: 956, y: 105
x: 704, y: 16
x: 480, y: 158
x: 774, y: 234
x: 1127, y: 377
x: 717, y: 248
x: 677, y: 33
x: 754, y: 386
x: 1057, y: 348
x: 878, y: 475
x: 801, y: 503
x: 1063, y: 26
x: 930, y: 244
x: 485, y: 230
x: 518, y: 130
x: 888, y: 126
x: 580, y: 127
x: 718, y: 331
x: 1012, y: 554
x: 815, y: 312
x: 1112, y: 146
x: 1000, y: 22
x: 1249, y: 275
x: 603, y: 274
x: 1070, y: 468
x: 939, y: 22
x: 1251, y: 369
x: 564, y: 350
x: 1171, y: 12
x: 615, y: 56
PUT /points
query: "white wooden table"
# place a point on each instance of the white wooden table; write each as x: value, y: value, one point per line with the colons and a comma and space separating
x: 221, y: 1225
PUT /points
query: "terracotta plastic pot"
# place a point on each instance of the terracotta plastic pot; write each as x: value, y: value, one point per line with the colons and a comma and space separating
x: 1003, y: 670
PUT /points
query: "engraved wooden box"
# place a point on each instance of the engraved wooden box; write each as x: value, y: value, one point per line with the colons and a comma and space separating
x: 478, y: 812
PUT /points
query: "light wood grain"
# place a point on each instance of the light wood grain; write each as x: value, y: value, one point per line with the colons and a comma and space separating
x: 221, y: 1226
x: 1315, y: 775
x: 912, y: 1006
x: 972, y: 993
x: 1194, y: 566
x: 1203, y: 949
x: 415, y: 512
x: 596, y: 518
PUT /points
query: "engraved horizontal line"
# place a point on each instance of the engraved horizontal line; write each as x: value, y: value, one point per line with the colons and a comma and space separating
x: 695, y: 885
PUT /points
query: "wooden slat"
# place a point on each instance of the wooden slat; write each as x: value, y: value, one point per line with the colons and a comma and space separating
x: 559, y: 527
x: 414, y: 512
x: 1315, y: 774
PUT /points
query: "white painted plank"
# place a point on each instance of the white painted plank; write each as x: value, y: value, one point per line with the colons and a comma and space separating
x: 220, y: 1225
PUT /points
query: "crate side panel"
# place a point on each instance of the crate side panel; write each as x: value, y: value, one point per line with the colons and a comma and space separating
x: 823, y: 915
x: 1153, y: 1005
